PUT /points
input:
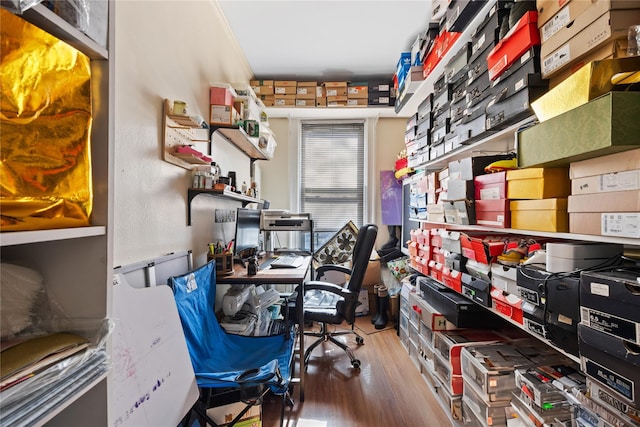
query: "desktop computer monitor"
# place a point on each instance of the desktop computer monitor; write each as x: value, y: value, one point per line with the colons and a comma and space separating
x: 247, y: 237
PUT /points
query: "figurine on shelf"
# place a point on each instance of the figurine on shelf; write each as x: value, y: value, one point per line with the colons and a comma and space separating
x: 253, y: 190
x: 244, y: 187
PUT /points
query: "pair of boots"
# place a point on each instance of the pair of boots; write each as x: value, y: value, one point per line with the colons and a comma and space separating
x: 380, y: 319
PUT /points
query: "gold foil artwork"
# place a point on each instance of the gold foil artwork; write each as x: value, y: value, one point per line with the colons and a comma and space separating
x: 45, y: 125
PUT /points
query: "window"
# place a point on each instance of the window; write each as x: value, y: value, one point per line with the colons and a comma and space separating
x: 332, y: 175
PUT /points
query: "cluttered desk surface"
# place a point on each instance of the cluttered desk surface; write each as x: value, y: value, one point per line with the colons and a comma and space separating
x: 267, y: 275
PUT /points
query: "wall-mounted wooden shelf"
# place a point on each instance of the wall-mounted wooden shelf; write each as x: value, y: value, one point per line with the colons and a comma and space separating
x: 192, y: 193
x: 243, y: 142
x: 180, y: 131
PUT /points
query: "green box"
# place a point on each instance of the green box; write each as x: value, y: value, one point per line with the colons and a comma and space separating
x: 605, y: 125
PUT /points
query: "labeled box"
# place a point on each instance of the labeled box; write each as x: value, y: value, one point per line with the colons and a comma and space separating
x: 522, y: 37
x: 607, y: 359
x: 358, y: 90
x: 610, y: 303
x: 611, y: 25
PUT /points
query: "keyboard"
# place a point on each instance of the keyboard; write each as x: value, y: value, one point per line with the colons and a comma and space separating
x: 287, y: 261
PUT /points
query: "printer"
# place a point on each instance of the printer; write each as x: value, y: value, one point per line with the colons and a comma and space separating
x: 244, y: 308
x: 281, y: 220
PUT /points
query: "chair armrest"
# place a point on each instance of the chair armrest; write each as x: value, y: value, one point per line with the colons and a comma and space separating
x: 331, y: 267
x: 328, y: 287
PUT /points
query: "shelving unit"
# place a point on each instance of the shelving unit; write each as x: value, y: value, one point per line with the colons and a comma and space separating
x: 192, y: 193
x: 243, y: 142
x: 409, y: 104
x: 76, y: 263
x: 180, y: 131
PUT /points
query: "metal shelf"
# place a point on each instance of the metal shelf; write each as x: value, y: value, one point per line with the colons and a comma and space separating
x: 192, y: 193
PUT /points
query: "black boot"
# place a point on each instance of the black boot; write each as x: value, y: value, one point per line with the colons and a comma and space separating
x: 383, y: 297
x: 374, y: 318
x: 393, y: 238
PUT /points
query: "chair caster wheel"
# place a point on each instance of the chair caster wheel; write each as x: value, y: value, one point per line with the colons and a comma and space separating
x: 359, y: 340
x: 356, y: 363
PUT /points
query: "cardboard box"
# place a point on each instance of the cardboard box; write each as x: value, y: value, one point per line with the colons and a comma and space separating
x: 262, y: 87
x: 614, y: 48
x: 538, y: 183
x: 306, y: 92
x: 616, y: 181
x: 575, y: 135
x: 221, y: 114
x: 617, y: 201
x: 336, y: 91
x: 321, y: 101
x: 619, y: 162
x: 617, y: 224
x: 493, y: 213
x: 522, y: 37
x: 609, y: 26
x: 585, y: 84
x: 301, y: 102
x: 507, y: 305
x: 284, y: 100
x: 307, y: 84
x: 253, y: 83
x: 285, y: 90
x: 357, y: 102
x: 491, y: 186
x: 540, y: 215
x: 285, y: 83
x: 358, y: 90
x: 576, y: 16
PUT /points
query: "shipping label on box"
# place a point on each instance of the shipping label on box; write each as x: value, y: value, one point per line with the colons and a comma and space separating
x: 619, y: 181
x: 610, y: 25
x: 263, y: 90
x: 285, y: 90
x: 623, y: 224
x: 336, y: 91
x: 220, y: 114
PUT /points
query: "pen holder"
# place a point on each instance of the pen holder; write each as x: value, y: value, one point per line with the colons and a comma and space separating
x: 224, y: 262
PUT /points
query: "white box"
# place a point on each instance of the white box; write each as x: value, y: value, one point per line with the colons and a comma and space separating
x: 616, y: 181
x: 570, y: 256
x: 504, y: 277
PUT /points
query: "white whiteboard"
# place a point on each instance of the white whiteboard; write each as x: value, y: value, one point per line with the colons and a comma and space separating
x: 152, y: 382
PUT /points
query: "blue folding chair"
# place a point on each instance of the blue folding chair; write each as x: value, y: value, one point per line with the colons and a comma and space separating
x: 254, y: 365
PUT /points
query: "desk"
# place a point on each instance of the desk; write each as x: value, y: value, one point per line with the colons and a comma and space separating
x: 277, y: 276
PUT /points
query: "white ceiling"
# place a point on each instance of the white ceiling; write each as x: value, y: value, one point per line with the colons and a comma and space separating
x: 325, y: 40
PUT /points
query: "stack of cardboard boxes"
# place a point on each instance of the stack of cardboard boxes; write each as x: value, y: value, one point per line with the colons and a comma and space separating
x: 291, y: 93
x: 574, y: 33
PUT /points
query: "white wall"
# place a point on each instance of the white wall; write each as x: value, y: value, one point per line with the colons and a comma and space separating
x: 173, y: 50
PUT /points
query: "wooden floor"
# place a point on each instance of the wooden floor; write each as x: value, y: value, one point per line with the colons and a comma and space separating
x: 388, y: 390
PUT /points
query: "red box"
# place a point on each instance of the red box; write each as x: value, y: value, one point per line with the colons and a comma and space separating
x: 424, y: 251
x: 220, y: 96
x: 440, y: 47
x: 435, y: 270
x: 481, y: 248
x: 507, y: 304
x: 452, y: 279
x: 436, y: 238
x: 491, y: 186
x: 518, y: 40
x: 437, y: 255
x: 493, y: 213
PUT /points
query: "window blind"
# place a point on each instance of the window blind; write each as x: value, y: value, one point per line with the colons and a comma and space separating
x: 332, y: 174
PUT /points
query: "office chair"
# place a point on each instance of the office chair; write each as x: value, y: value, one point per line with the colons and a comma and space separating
x: 331, y: 304
x: 224, y: 362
